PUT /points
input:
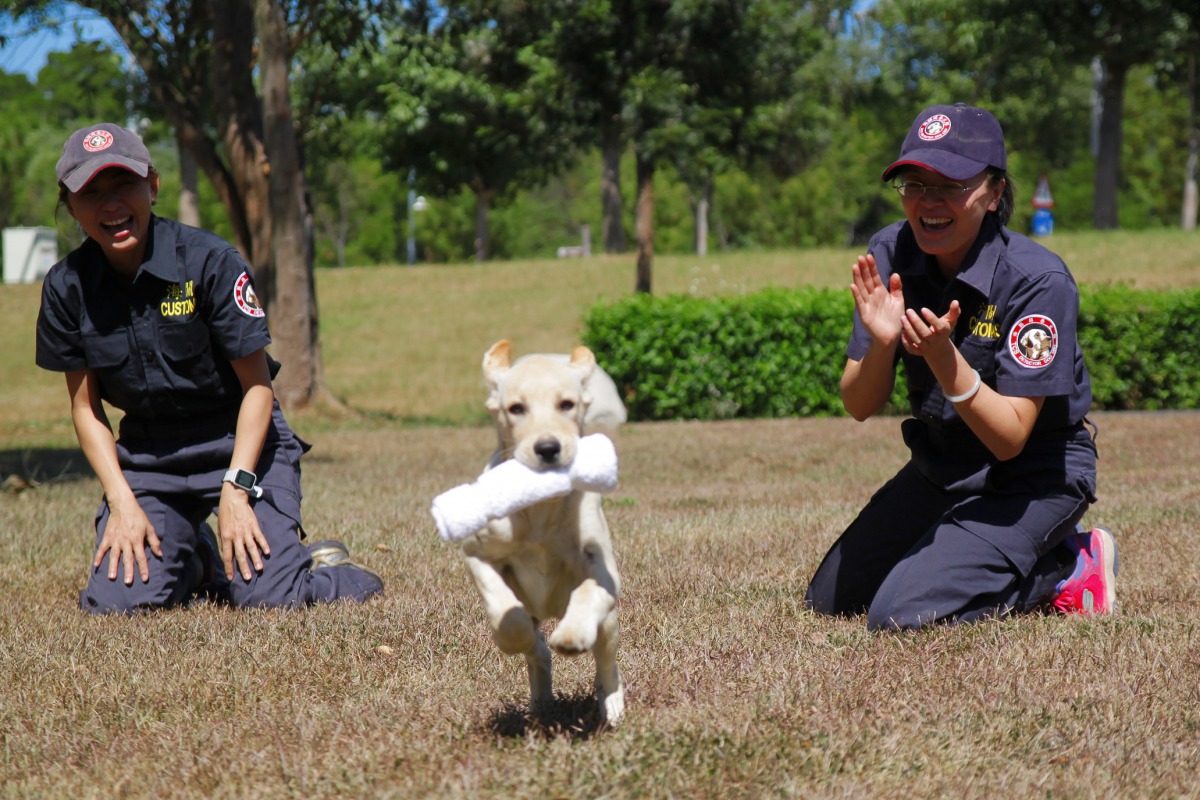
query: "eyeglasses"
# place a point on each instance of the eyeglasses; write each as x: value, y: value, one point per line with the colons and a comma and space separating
x: 911, y: 190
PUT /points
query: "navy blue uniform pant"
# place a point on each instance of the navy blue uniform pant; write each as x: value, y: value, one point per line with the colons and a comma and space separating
x: 918, y: 554
x: 177, y: 481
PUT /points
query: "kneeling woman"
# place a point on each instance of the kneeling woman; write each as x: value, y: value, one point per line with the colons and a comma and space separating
x: 984, y: 518
x: 161, y: 321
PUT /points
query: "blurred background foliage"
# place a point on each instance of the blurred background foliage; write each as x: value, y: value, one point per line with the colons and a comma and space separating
x: 771, y: 119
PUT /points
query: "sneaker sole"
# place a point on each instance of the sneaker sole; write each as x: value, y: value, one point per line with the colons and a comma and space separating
x: 1108, y: 559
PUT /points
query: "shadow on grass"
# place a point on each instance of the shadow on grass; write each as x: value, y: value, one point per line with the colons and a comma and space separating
x: 32, y: 466
x: 576, y: 717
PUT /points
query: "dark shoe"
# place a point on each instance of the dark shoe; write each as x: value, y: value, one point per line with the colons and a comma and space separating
x: 328, y: 553
x: 213, y: 585
x: 331, y: 553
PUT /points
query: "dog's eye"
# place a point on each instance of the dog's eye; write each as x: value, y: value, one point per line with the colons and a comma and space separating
x: 566, y: 405
x: 516, y: 409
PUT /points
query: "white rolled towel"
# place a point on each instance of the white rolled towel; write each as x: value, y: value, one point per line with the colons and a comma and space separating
x: 511, y: 486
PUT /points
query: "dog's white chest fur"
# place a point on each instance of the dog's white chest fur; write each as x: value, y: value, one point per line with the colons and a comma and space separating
x: 541, y: 564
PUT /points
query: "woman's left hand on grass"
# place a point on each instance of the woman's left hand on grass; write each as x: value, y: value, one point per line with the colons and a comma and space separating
x: 242, y: 540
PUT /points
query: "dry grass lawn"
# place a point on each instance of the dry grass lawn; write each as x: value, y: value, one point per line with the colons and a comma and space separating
x: 734, y: 690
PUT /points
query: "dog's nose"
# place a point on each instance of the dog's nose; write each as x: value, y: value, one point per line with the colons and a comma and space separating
x: 547, y: 450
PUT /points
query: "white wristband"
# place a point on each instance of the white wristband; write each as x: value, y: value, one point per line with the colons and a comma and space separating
x: 969, y: 393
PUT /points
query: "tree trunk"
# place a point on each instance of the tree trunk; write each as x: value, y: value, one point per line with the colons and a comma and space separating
x: 703, y: 204
x: 483, y: 202
x: 294, y: 317
x: 1190, y: 200
x: 189, y: 197
x: 238, y: 119
x: 1108, y: 161
x: 645, y: 223
x: 612, y: 224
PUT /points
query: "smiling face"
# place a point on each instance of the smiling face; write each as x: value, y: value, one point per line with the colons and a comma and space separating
x: 114, y: 209
x: 946, y: 227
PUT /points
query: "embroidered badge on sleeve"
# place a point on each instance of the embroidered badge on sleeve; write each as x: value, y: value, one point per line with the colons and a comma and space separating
x: 1033, y: 341
x: 247, y: 300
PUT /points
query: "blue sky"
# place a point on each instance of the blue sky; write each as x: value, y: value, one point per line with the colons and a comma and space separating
x: 26, y: 48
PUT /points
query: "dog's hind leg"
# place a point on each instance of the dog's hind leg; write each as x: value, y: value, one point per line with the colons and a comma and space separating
x: 610, y: 690
x: 541, y: 690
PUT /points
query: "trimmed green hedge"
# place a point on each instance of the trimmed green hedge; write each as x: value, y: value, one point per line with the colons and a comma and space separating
x: 779, y: 353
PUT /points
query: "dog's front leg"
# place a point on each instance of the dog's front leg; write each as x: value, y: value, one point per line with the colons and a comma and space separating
x: 514, y: 631
x: 610, y: 690
x: 591, y: 624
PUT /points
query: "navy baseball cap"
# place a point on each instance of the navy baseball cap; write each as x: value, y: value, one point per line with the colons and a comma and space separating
x: 958, y: 141
x: 98, y: 147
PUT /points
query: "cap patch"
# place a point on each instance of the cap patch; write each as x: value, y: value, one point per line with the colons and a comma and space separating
x: 97, y: 140
x: 247, y: 300
x: 1033, y: 341
x: 936, y: 127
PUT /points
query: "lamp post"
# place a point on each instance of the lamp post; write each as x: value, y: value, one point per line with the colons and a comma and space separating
x: 412, y: 218
x: 416, y: 204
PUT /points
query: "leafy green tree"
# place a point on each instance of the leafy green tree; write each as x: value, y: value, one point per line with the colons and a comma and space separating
x: 1031, y: 63
x: 1119, y: 35
x: 466, y: 100
x: 219, y: 71
x: 22, y: 134
x: 755, y: 96
x: 85, y: 84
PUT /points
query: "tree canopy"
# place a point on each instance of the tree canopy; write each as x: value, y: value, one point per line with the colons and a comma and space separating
x: 762, y: 121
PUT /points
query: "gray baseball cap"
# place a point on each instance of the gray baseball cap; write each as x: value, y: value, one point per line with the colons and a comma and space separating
x: 98, y: 147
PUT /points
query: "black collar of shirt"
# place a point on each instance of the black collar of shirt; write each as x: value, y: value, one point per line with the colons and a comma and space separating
x: 159, y: 260
x: 978, y: 269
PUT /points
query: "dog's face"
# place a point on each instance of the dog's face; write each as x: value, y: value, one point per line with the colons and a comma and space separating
x: 538, y: 403
x: 1036, y: 343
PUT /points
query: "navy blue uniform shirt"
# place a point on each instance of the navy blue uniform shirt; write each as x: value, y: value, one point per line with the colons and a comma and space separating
x: 159, y: 345
x: 1019, y: 308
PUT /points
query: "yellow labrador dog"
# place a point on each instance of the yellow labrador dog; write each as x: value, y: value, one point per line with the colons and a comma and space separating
x: 553, y: 559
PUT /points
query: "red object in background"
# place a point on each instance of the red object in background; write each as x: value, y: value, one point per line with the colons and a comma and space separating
x: 1041, y: 195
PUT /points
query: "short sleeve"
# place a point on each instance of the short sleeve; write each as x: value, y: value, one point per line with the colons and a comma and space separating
x: 59, y: 340
x: 1036, y: 357
x: 236, y: 317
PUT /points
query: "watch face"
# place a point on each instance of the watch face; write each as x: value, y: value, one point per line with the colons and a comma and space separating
x: 244, y: 479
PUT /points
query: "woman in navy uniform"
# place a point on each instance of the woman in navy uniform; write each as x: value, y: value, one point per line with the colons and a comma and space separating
x: 984, y: 519
x: 161, y: 321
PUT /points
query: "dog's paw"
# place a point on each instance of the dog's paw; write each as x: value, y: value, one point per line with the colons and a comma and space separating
x: 572, y: 639
x: 516, y: 632
x: 612, y: 707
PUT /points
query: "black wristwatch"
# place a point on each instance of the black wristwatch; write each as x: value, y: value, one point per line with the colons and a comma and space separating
x: 244, y: 479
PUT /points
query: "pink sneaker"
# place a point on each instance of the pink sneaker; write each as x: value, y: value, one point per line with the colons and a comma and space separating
x: 1092, y: 587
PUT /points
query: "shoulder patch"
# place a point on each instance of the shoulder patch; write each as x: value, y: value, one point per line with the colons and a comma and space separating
x: 1033, y: 341
x: 246, y: 299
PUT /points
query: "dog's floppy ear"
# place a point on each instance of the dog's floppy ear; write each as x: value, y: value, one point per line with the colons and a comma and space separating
x: 583, y: 362
x: 496, y: 362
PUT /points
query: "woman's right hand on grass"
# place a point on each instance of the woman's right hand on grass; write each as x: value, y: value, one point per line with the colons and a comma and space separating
x: 125, y: 538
